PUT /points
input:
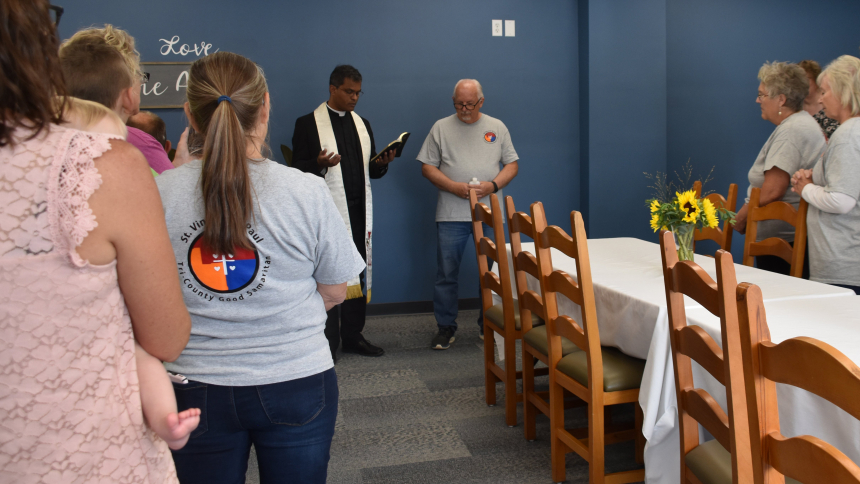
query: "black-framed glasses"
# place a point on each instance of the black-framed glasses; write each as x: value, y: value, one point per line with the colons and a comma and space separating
x: 56, y: 12
x: 468, y: 106
x: 350, y: 92
x: 144, y: 78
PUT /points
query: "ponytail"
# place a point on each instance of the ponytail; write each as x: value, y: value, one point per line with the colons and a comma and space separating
x: 225, y: 94
x: 226, y: 183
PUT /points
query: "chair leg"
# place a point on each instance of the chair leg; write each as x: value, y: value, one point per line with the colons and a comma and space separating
x: 489, y: 378
x: 596, y: 438
x: 529, y: 410
x: 640, y: 439
x: 556, y: 422
x: 510, y: 381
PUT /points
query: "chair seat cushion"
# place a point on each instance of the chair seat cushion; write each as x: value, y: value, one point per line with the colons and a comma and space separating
x: 712, y: 464
x: 536, y: 338
x: 620, y: 372
x: 497, y: 315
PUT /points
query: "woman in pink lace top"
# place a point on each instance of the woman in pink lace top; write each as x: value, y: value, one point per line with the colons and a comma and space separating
x: 85, y: 267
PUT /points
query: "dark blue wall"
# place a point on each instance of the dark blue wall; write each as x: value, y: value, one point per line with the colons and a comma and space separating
x: 595, y: 92
x: 715, y: 50
x: 627, y: 112
x: 410, y: 54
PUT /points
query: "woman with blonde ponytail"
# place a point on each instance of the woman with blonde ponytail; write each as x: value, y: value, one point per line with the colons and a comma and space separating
x: 832, y: 187
x: 262, y: 254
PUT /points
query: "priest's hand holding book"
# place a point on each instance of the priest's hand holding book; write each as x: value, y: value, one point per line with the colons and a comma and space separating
x: 393, y: 150
x: 385, y: 157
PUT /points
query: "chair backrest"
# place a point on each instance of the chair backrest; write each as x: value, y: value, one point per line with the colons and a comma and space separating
x: 524, y: 264
x: 721, y: 236
x: 805, y: 363
x: 580, y: 292
x: 495, y: 250
x: 695, y: 405
x: 288, y: 154
x: 774, y: 245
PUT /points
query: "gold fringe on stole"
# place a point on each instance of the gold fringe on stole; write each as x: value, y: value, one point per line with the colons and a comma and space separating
x: 354, y: 292
x: 368, y: 296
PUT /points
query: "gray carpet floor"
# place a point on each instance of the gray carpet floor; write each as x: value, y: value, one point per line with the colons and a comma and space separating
x: 417, y: 415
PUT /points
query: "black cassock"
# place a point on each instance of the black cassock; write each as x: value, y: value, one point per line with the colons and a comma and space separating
x: 306, y: 148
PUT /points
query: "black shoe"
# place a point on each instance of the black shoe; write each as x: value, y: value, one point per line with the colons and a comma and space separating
x: 363, y: 348
x: 443, y: 340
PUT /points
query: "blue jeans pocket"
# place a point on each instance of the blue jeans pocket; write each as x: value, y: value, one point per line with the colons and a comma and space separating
x: 192, y: 395
x: 295, y: 402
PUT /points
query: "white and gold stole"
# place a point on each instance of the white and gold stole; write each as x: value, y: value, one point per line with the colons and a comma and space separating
x: 334, y: 180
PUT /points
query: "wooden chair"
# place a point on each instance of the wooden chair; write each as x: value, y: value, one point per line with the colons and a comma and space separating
x: 774, y: 245
x: 727, y: 458
x: 805, y: 363
x: 721, y: 236
x: 502, y: 318
x: 288, y: 155
x: 534, y: 337
x: 601, y: 376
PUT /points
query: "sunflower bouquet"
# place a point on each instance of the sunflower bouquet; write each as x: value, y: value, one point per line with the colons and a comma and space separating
x: 684, y: 212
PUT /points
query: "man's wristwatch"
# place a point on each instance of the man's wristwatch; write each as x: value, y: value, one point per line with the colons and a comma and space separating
x: 495, y: 187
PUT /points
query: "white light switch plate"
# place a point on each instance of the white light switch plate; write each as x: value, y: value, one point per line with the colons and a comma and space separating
x: 510, y: 28
x: 497, y: 28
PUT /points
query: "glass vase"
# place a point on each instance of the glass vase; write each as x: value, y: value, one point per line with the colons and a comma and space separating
x: 684, y: 241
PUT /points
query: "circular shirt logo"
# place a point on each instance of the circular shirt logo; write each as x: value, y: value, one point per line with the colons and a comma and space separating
x: 490, y: 137
x: 222, y: 272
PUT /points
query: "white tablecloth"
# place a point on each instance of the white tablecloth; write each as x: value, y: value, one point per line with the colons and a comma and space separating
x: 631, y: 311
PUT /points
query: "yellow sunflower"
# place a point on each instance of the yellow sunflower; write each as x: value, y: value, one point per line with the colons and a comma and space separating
x: 655, y: 222
x: 710, y: 213
x: 688, y: 203
x: 655, y: 205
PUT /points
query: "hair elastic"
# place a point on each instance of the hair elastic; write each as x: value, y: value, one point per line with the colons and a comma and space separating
x: 225, y: 98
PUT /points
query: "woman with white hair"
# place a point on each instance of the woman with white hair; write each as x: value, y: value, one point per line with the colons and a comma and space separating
x: 795, y: 144
x: 832, y: 187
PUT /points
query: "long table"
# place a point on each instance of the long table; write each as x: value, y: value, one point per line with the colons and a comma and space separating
x: 631, y: 310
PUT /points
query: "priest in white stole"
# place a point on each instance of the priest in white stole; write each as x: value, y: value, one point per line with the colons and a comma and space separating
x: 337, y: 144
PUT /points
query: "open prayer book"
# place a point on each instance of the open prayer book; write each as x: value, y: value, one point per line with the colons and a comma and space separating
x: 397, y: 144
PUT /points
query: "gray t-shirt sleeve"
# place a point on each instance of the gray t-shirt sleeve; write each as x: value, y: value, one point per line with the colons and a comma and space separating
x: 509, y: 154
x: 430, y: 153
x: 336, y: 259
x: 783, y: 154
x: 842, y: 172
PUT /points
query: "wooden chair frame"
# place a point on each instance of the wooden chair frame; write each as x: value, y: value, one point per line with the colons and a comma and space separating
x: 775, y: 246
x: 805, y: 363
x: 695, y: 405
x: 721, y: 236
x: 588, y: 443
x: 501, y: 285
x: 524, y: 263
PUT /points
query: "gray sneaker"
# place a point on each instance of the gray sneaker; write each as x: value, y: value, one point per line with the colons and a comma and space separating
x: 443, y: 340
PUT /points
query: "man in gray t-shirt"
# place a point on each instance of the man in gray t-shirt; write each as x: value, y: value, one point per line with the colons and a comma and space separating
x: 462, y: 147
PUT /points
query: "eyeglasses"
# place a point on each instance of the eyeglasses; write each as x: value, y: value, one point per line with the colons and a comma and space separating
x: 468, y: 106
x: 761, y: 96
x: 350, y: 92
x: 56, y: 13
x: 144, y: 78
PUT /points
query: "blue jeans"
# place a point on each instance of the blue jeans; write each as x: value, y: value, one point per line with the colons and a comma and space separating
x: 451, y: 239
x: 291, y: 425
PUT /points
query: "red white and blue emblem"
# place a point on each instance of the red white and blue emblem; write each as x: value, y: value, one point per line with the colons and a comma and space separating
x: 490, y: 137
x: 222, y: 273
